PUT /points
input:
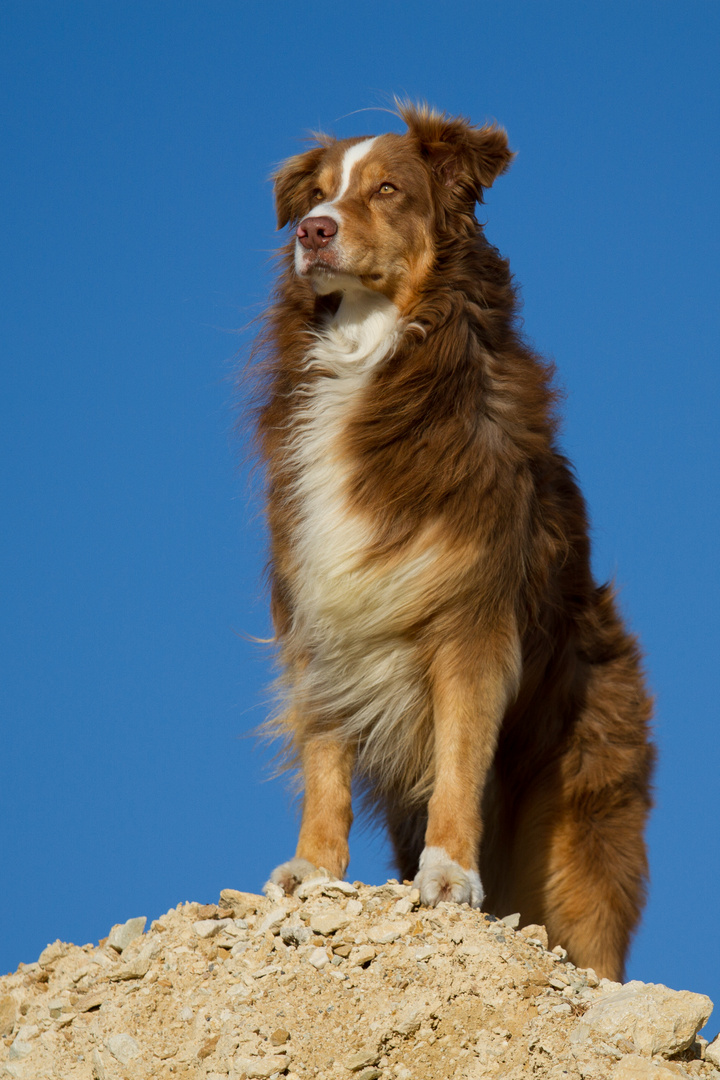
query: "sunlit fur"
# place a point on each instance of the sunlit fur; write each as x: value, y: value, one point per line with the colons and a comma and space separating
x: 443, y: 644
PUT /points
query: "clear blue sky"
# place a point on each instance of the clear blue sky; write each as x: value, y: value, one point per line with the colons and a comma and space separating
x: 137, y: 233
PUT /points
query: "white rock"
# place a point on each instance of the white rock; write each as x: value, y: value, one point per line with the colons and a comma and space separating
x: 336, y: 887
x: 296, y: 934
x: 512, y: 921
x: 272, y: 920
x: 97, y: 1065
x: 712, y: 1052
x: 318, y: 958
x: 53, y: 952
x: 19, y: 1049
x: 386, y: 932
x: 273, y: 892
x: 8, y: 1014
x: 329, y: 922
x: 122, y: 1047
x: 207, y: 928
x: 311, y: 885
x: 259, y: 1068
x: 657, y: 1020
x: 634, y: 1067
x: 123, y: 933
x: 354, y: 908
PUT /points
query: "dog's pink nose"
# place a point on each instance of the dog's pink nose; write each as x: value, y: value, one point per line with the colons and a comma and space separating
x: 316, y: 232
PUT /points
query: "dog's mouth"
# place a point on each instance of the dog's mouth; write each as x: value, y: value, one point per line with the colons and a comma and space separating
x: 323, y: 261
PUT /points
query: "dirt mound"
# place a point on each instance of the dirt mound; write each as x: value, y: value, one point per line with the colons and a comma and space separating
x: 340, y: 981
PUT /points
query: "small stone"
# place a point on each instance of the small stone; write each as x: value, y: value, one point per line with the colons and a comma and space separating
x: 369, y: 1055
x: 186, y: 1013
x: 123, y: 933
x: 329, y: 922
x: 318, y: 958
x: 414, y: 897
x: 240, y: 903
x: 402, y: 907
x: 53, y: 953
x: 634, y: 1067
x: 560, y: 952
x: 362, y: 955
x: 386, y: 932
x: 369, y: 1074
x: 311, y: 885
x: 98, y: 1069
x: 279, y: 1037
x: 297, y: 934
x: 425, y: 954
x: 207, y: 928
x: 272, y: 920
x: 8, y: 1014
x: 409, y: 1022
x: 207, y: 911
x: 273, y: 892
x: 138, y: 967
x: 122, y: 1047
x: 712, y: 1052
x: 512, y: 921
x: 90, y: 1002
x: 19, y: 1049
x: 260, y: 1068
x: 339, y: 888
x: 208, y: 1047
x: 535, y: 933
x: 354, y: 908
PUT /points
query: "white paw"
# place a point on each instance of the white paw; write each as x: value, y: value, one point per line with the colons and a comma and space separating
x: 289, y: 875
x: 440, y: 878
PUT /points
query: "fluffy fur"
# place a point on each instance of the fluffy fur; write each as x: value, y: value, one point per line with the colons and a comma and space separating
x: 443, y: 643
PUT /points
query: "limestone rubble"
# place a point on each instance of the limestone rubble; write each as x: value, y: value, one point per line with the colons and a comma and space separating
x: 342, y: 981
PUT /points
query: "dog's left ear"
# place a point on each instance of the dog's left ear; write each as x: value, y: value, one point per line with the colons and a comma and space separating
x: 292, y: 182
x: 463, y: 158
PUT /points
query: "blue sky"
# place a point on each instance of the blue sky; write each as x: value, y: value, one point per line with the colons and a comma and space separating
x: 138, y: 232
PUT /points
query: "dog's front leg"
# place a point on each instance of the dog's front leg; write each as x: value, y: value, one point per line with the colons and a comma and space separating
x: 327, y: 766
x: 470, y: 696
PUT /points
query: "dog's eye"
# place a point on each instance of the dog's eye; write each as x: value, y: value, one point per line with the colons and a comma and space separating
x: 386, y: 189
x: 318, y: 195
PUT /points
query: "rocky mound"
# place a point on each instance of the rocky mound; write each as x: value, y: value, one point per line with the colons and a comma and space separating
x: 340, y: 981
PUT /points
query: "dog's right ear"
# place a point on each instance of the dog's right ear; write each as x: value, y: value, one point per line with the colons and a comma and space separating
x: 292, y: 184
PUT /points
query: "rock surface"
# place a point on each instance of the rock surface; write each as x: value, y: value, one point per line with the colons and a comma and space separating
x: 341, y: 981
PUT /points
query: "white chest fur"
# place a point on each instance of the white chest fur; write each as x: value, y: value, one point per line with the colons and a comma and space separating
x: 349, y: 611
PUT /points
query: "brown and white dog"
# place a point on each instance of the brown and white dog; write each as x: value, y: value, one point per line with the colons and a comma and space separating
x: 443, y: 643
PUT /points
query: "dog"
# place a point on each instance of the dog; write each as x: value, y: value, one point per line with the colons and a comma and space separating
x: 444, y: 647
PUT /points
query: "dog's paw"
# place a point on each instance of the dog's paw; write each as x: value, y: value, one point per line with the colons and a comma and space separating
x: 440, y: 878
x: 289, y: 875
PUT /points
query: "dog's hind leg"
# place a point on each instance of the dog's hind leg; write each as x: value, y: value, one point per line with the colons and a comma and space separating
x: 579, y: 864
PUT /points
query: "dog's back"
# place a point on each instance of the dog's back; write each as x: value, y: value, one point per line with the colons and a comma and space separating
x: 441, y: 635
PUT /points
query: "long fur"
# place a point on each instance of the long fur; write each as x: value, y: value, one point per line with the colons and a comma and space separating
x: 441, y: 637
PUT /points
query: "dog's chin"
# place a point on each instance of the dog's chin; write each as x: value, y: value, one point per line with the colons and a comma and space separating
x: 325, y: 280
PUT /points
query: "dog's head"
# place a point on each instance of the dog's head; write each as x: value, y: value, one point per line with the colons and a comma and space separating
x: 371, y: 212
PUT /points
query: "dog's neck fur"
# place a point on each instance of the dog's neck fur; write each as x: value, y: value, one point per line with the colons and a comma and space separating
x: 363, y: 329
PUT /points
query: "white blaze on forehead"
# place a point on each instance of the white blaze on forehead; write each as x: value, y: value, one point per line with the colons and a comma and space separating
x: 352, y: 155
x: 350, y: 158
